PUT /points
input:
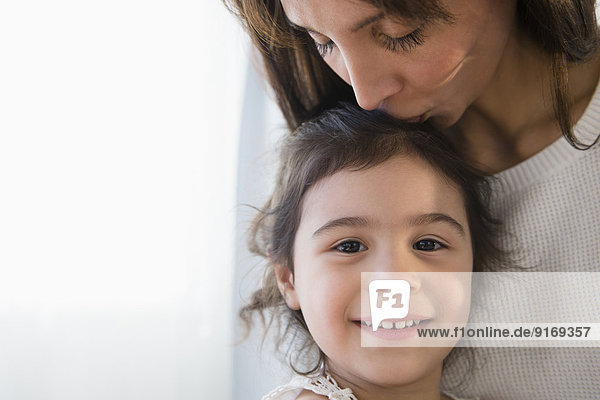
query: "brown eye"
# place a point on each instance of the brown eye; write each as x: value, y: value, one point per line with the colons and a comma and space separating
x: 428, y: 245
x: 351, y: 246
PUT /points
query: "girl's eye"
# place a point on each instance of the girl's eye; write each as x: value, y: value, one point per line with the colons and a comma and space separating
x: 428, y: 245
x: 404, y: 43
x: 351, y: 246
x: 324, y: 48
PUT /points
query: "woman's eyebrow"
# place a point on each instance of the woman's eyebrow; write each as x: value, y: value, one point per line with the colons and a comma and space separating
x: 366, y: 22
x: 358, y: 26
x: 344, y: 221
x: 301, y: 28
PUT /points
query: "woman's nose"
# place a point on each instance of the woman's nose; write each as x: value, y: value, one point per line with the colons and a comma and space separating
x: 371, y: 78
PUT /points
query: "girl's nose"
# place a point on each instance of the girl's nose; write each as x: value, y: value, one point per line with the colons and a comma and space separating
x: 370, y: 77
x: 413, y: 279
x: 401, y: 267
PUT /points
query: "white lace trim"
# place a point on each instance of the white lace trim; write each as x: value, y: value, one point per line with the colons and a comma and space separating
x: 324, y: 385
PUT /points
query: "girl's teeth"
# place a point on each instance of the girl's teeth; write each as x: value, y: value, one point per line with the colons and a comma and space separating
x: 395, y: 325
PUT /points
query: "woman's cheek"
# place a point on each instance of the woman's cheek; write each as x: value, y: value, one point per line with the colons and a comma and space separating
x: 335, y: 61
x: 435, y: 73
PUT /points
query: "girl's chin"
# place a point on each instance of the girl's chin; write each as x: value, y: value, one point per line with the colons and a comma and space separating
x: 405, y: 370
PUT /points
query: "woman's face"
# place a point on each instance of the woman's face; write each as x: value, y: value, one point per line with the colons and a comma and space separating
x: 411, y: 70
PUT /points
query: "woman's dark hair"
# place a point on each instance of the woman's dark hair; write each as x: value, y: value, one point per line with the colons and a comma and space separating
x: 349, y: 138
x: 304, y: 85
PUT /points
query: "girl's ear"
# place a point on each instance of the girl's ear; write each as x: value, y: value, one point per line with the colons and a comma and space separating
x: 285, y: 283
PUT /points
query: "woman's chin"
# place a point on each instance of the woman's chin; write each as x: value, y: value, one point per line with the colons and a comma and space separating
x: 443, y: 122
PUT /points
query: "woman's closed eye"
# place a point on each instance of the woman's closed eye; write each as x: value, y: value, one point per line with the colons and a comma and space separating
x: 404, y: 43
x: 324, y: 48
x: 324, y: 44
x: 429, y: 245
x: 350, y: 246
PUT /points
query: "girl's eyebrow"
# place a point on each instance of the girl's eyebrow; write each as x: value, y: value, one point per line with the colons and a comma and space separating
x: 421, y: 219
x: 425, y: 219
x: 358, y: 26
x: 344, y: 221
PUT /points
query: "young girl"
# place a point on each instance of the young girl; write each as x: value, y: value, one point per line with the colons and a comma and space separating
x: 357, y: 191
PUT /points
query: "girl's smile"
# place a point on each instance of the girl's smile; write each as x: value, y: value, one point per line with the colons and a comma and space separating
x: 399, y: 216
x: 392, y: 329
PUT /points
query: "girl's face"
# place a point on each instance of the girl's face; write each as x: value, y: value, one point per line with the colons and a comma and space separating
x: 399, y: 216
x: 411, y: 70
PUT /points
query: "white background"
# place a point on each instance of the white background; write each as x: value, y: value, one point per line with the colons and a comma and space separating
x: 119, y: 142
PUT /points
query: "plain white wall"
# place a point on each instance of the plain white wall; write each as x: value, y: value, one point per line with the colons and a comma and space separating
x: 256, y: 371
x: 119, y: 128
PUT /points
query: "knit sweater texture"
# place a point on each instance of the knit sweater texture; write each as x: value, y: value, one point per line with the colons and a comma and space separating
x: 549, y: 205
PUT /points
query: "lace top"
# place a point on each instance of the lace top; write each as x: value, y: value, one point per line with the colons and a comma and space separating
x: 324, y: 385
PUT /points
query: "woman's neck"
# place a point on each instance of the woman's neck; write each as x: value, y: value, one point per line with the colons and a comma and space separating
x: 514, y: 118
x: 426, y: 388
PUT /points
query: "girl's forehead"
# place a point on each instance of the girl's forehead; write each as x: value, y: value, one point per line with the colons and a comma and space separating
x: 401, y: 167
x: 396, y: 190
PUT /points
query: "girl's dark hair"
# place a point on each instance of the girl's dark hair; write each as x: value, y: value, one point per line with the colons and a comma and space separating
x: 304, y: 85
x: 341, y: 139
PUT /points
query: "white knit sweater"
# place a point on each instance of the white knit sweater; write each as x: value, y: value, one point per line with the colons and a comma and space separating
x: 550, y: 207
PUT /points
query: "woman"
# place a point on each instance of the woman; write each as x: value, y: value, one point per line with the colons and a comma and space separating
x: 513, y: 84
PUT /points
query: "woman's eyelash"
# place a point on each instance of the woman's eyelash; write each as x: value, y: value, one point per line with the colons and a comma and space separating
x: 404, y: 43
x: 324, y: 48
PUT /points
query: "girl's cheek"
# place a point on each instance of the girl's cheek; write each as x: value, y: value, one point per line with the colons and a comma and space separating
x: 336, y: 288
